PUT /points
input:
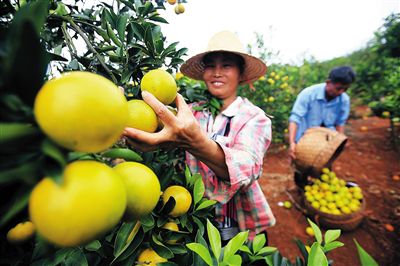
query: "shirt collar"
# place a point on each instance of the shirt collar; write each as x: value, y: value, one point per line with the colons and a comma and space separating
x: 233, y: 108
x: 321, y: 93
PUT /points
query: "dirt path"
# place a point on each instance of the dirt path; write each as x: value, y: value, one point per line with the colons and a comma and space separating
x: 369, y: 161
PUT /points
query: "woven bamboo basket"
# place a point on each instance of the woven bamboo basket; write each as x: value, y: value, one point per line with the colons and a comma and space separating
x: 345, y: 222
x: 318, y: 148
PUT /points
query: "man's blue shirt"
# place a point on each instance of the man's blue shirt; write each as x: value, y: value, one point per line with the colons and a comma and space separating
x: 311, y: 109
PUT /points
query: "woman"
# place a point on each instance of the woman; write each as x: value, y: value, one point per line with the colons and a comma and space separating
x: 227, y: 150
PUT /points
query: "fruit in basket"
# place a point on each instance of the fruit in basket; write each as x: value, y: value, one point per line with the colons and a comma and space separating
x: 333, y: 195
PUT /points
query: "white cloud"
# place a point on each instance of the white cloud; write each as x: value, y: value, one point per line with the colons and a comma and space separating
x: 321, y: 28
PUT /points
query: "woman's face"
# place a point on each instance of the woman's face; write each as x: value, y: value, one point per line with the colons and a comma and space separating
x: 222, y: 75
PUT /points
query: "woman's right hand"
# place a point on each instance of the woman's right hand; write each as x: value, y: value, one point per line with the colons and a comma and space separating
x: 181, y: 130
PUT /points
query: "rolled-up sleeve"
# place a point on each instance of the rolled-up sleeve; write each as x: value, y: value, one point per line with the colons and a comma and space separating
x: 300, y: 108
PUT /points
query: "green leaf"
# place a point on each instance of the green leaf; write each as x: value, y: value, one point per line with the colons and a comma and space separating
x: 202, y: 251
x: 133, y: 240
x: 107, y: 18
x: 266, y: 250
x: 93, y: 246
x: 102, y: 33
x: 317, y: 231
x: 245, y: 249
x: 25, y: 63
x: 20, y: 202
x: 234, y: 244
x: 188, y: 175
x: 199, y: 224
x: 138, y: 30
x: 121, y: 26
x: 258, y: 242
x: 126, y: 75
x: 160, y: 248
x: 365, y: 258
x: 76, y: 257
x: 128, y: 4
x: 148, y: 40
x: 28, y: 172
x: 206, y: 204
x: 198, y: 191
x: 332, y: 245
x: 122, y: 153
x: 10, y: 132
x: 148, y: 7
x: 54, y: 151
x: 34, y: 12
x: 148, y: 220
x: 113, y: 36
x: 317, y: 256
x: 158, y: 19
x: 121, y: 238
x: 302, y: 249
x: 169, y: 49
x: 331, y: 235
x: 234, y: 260
x: 214, y: 238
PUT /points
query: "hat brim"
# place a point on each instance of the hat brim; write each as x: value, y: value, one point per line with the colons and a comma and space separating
x: 254, y: 68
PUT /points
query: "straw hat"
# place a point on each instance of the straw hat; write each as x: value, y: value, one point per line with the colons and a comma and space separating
x: 225, y: 41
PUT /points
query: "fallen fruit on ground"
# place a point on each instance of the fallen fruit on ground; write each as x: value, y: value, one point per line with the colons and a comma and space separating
x: 182, y: 198
x: 88, y: 201
x: 141, y: 116
x: 21, y: 233
x: 81, y: 111
x: 310, y: 231
x: 161, y: 84
x: 142, y: 186
x: 287, y: 204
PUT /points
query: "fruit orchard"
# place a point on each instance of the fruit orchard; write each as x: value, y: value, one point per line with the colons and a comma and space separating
x: 68, y: 195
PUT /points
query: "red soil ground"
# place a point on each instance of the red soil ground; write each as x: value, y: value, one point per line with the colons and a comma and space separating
x: 371, y: 161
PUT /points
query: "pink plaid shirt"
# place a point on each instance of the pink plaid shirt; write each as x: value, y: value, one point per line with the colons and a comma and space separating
x: 244, y: 147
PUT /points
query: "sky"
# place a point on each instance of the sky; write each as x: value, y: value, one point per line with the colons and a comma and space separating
x: 295, y: 29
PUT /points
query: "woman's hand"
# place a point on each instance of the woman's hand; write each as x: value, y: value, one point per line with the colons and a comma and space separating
x: 181, y: 130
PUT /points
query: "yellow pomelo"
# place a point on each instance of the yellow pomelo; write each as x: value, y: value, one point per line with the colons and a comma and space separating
x: 81, y: 111
x: 141, y: 116
x: 142, y: 186
x: 161, y: 84
x: 172, y: 226
x: 21, y: 232
x: 90, y: 201
x: 310, y: 231
x: 149, y: 257
x: 182, y: 198
x: 179, y: 9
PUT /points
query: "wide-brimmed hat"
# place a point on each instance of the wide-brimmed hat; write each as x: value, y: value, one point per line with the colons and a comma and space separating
x: 225, y: 41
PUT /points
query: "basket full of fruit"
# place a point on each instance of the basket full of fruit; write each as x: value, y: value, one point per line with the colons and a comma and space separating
x: 333, y: 202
